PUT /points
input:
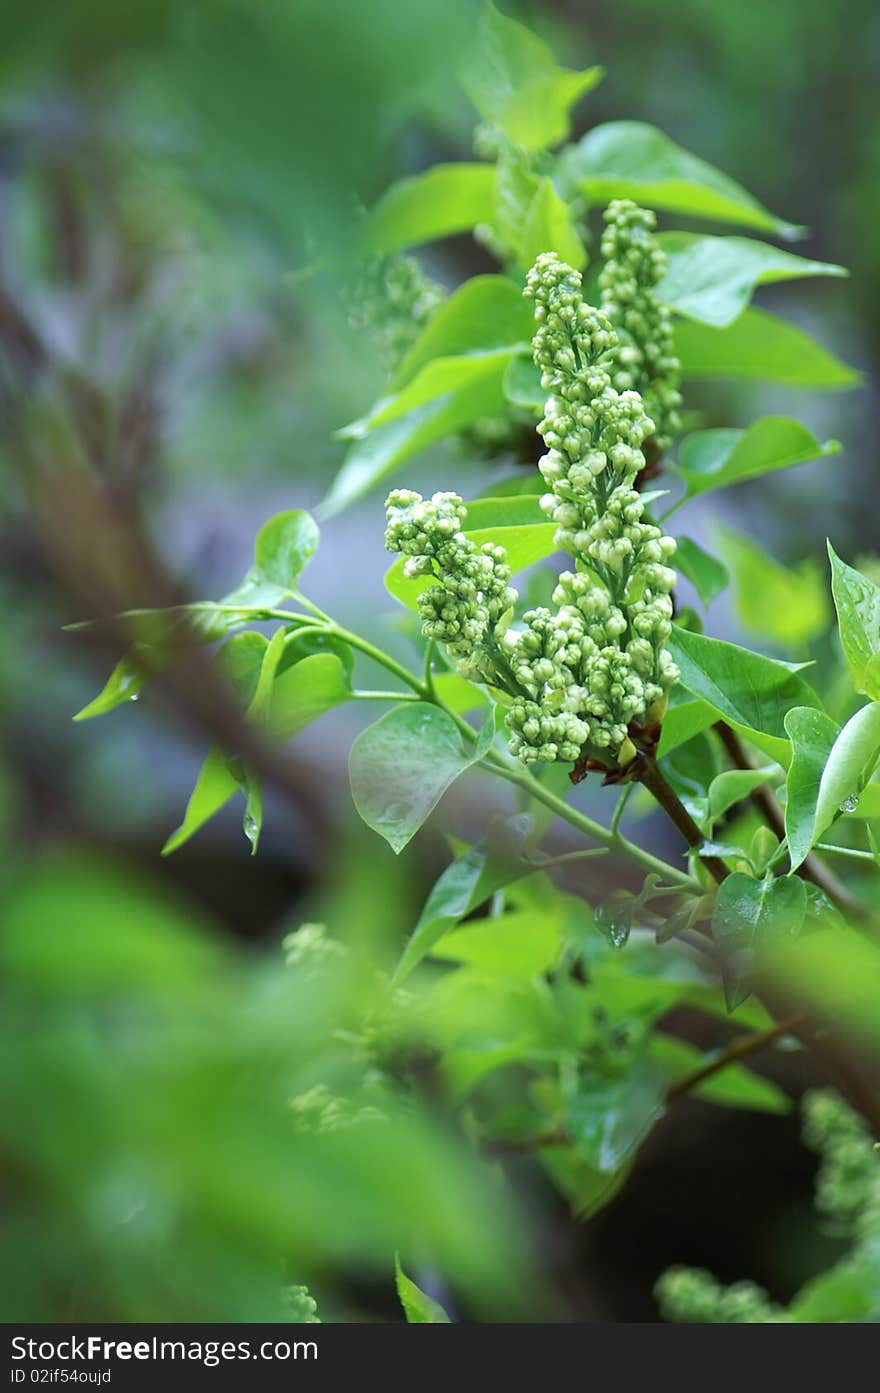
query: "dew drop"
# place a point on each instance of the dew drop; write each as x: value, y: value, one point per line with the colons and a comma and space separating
x: 614, y: 920
x: 850, y: 804
x: 618, y: 935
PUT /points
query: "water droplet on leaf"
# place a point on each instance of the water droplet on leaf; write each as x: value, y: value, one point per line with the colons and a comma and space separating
x: 850, y: 804
x: 614, y: 919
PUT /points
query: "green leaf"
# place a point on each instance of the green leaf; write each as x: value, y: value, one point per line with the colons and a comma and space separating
x: 714, y: 459
x: 418, y: 1308
x: 514, y: 82
x: 258, y: 712
x: 446, y: 199
x: 586, y: 1189
x: 869, y: 802
x: 214, y: 787
x: 549, y: 227
x: 751, y: 915
x: 283, y: 701
x: 789, y: 606
x: 758, y: 345
x: 439, y: 378
x: 457, y: 694
x: 486, y: 312
x: 258, y: 709
x: 733, y: 786
x: 712, y: 279
x: 839, y: 974
x: 607, y: 1118
x: 305, y: 643
x: 125, y: 683
x: 628, y: 159
x: 522, y: 384
x: 401, y: 766
x: 734, y: 1086
x: 844, y: 1295
x: 851, y: 762
x: 284, y: 547
x: 685, y: 718
x: 252, y: 818
x: 282, y: 550
x: 466, y: 884
x: 751, y: 691
x: 706, y: 574
x: 80, y: 925
x: 241, y: 662
x: 381, y: 451
x: 857, y: 600
x: 812, y: 736
x: 515, y: 522
x: 507, y: 945
x: 306, y: 690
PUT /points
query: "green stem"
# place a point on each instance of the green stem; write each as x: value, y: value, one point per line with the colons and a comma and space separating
x: 383, y: 696
x: 615, y: 841
x: 621, y: 804
x: 385, y: 660
x: 846, y: 851
x: 428, y: 673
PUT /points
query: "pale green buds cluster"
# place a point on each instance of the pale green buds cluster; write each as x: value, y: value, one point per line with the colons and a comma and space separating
x: 302, y: 1309
x: 467, y: 609
x: 848, y: 1185
x: 693, y: 1296
x: 645, y: 360
x: 601, y: 661
x: 847, y: 1191
x: 393, y: 300
x: 312, y: 952
x: 321, y: 1111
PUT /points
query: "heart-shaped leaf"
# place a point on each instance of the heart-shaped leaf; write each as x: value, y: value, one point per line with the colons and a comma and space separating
x: 752, y: 915
x: 401, y: 766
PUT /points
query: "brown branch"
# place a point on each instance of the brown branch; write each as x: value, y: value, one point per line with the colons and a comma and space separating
x: 520, y: 1146
x: 813, y: 1034
x: 739, y: 1049
x: 647, y: 772
x: 812, y: 868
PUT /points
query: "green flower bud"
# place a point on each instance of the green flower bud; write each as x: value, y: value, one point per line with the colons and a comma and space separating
x: 466, y: 610
x: 606, y: 643
x: 645, y: 360
x: 392, y: 301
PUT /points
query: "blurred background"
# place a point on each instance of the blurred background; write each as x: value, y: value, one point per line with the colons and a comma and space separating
x: 168, y: 175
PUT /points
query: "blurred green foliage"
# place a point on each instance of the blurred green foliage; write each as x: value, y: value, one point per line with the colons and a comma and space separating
x: 153, y: 1078
x: 188, y: 1128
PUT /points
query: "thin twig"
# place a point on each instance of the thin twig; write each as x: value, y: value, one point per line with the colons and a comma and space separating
x: 739, y: 1049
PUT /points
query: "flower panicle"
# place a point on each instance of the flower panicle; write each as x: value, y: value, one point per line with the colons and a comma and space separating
x: 468, y: 606
x: 600, y: 662
x: 634, y: 264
